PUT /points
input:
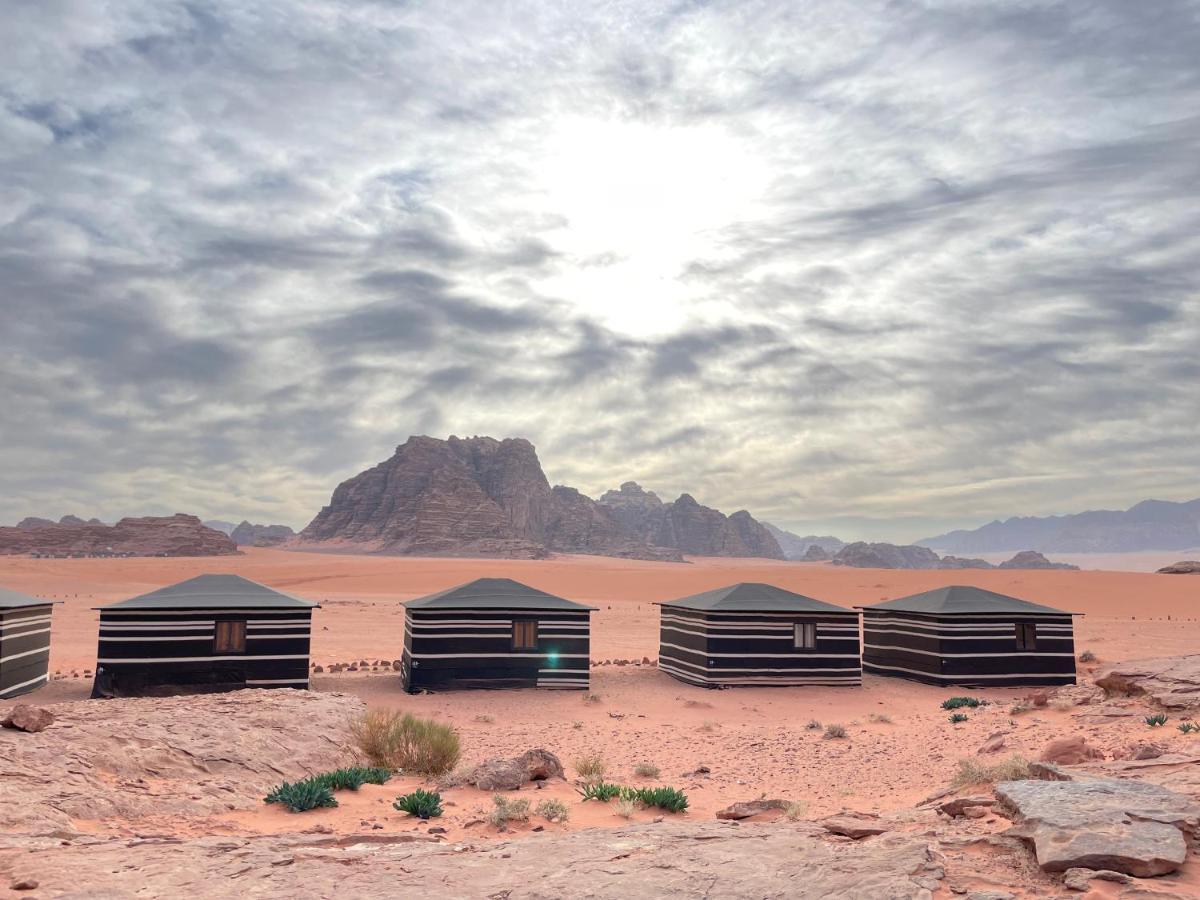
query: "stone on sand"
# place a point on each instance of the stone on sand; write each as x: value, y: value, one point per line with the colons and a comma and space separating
x: 511, y: 774
x: 747, y: 808
x: 854, y: 825
x: 24, y: 717
x: 1069, y: 751
x: 1171, y: 681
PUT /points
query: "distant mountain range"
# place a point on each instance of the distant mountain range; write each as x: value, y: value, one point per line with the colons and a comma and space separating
x: 796, y: 547
x: 1150, y: 525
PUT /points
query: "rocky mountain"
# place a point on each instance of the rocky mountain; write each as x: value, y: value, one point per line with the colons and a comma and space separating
x: 1183, y: 567
x: 37, y: 522
x: 1150, y: 525
x: 220, y: 525
x: 687, y: 526
x: 469, y: 497
x: 247, y: 535
x: 177, y: 535
x: 796, y: 547
x: 816, y: 553
x: 862, y: 555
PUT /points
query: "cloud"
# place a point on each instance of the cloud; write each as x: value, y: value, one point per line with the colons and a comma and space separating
x: 921, y: 270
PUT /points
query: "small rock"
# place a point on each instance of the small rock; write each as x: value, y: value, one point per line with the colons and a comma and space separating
x: 1069, y: 751
x: 994, y: 743
x: 959, y: 805
x: 318, y: 670
x: 24, y: 717
x: 854, y: 825
x: 1079, y: 879
x: 25, y: 884
x: 437, y: 829
x: 991, y: 895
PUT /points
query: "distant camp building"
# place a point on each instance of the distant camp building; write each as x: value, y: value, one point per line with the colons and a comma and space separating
x: 24, y: 643
x: 758, y: 634
x: 495, y: 633
x: 969, y: 636
x: 209, y: 633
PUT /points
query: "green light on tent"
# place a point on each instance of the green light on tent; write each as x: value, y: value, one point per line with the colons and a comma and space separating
x: 552, y: 659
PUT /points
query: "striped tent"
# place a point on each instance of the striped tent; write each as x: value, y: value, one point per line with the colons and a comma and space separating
x: 495, y: 633
x: 209, y: 633
x: 758, y: 634
x: 969, y: 636
x: 24, y: 643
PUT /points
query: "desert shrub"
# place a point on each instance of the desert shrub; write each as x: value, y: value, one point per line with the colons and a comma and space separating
x: 1157, y: 720
x: 625, y: 808
x: 591, y: 766
x: 505, y: 811
x: 422, y: 804
x: 646, y: 770
x: 955, y: 718
x: 392, y: 740
x: 972, y: 771
x: 352, y: 778
x: 795, y: 810
x: 959, y: 702
x: 668, y: 798
x: 1087, y: 656
x: 485, y: 719
x: 1019, y: 707
x: 813, y: 725
x: 302, y: 795
x: 882, y: 718
x: 1189, y: 727
x: 591, y: 698
x: 553, y: 810
x: 708, y: 725
x: 834, y: 730
x: 600, y: 790
x: 576, y: 725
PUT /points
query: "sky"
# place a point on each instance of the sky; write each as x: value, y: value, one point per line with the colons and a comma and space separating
x: 878, y: 268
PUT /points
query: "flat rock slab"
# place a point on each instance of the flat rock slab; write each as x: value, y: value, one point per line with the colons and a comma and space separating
x: 1171, y: 681
x: 1126, y: 826
x: 666, y: 860
x: 747, y: 808
x: 854, y: 825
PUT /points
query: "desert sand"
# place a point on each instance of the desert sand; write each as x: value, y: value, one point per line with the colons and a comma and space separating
x: 899, y: 748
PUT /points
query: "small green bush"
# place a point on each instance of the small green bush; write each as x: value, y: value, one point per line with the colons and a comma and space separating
x: 955, y: 718
x: 834, y: 731
x: 647, y: 770
x: 505, y: 811
x: 600, y: 790
x: 959, y: 702
x: 1157, y: 720
x: 553, y: 811
x: 302, y: 795
x: 668, y: 798
x: 422, y: 804
x: 352, y: 778
x: 1189, y: 727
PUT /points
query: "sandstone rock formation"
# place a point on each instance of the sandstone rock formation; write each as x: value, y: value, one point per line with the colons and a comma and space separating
x: 1184, y: 567
x: 177, y: 535
x: 862, y: 555
x: 512, y: 774
x: 1125, y: 826
x: 31, y: 719
x: 1171, y: 681
x: 855, y: 825
x: 220, y: 525
x: 958, y: 562
x: 747, y: 808
x: 483, y: 497
x: 816, y: 553
x: 1031, y: 559
x: 1069, y: 751
x: 796, y: 546
x: 246, y: 534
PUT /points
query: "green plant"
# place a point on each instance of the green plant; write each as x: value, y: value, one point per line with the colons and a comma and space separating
x: 600, y: 790
x: 591, y: 766
x: 392, y: 740
x: 505, y: 811
x: 301, y: 796
x: 834, y: 730
x: 646, y: 770
x: 1189, y: 727
x: 422, y: 804
x: 668, y: 798
x: 955, y: 718
x: 1087, y: 656
x: 813, y: 725
x: 1157, y: 720
x: 959, y: 702
x: 971, y: 771
x: 553, y: 810
x: 352, y: 778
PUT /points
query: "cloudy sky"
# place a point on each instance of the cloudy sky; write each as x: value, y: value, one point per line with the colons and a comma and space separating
x: 876, y: 267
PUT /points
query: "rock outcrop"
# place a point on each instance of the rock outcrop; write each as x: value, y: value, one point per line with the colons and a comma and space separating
x: 220, y: 525
x: 1171, y: 681
x: 247, y: 535
x: 1031, y: 559
x: 958, y: 562
x: 639, y: 512
x: 816, y: 553
x: 747, y: 808
x: 512, y: 774
x: 177, y: 535
x: 1125, y: 826
x: 30, y: 719
x: 578, y: 524
x: 862, y: 555
x: 1184, y: 567
x: 795, y: 546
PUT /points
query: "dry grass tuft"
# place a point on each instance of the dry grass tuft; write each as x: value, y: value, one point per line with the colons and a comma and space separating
x: 882, y: 718
x: 795, y: 810
x: 647, y: 770
x: 400, y: 741
x: 625, y: 808
x: 553, y: 811
x: 505, y: 811
x: 835, y: 731
x: 973, y: 771
x: 591, y: 766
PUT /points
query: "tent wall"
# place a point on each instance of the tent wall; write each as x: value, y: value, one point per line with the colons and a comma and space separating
x: 144, y: 651
x: 24, y: 649
x: 720, y: 648
x: 978, y: 650
x: 446, y: 649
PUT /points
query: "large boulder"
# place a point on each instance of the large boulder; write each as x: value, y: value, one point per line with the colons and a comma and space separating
x: 1070, y: 751
x: 1184, y: 567
x: 1126, y: 826
x: 512, y: 774
x: 1171, y: 681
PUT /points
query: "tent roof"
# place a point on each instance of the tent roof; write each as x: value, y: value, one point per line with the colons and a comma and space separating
x: 213, y: 592
x: 752, y: 596
x: 13, y: 600
x: 494, y: 593
x: 960, y: 599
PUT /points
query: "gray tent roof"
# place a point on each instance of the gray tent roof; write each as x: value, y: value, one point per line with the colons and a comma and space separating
x: 752, y: 596
x: 213, y: 592
x: 960, y: 599
x: 13, y: 600
x: 494, y: 593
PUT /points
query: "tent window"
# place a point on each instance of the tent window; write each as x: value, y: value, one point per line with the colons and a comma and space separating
x: 524, y: 635
x: 231, y: 637
x: 1026, y: 636
x: 806, y: 636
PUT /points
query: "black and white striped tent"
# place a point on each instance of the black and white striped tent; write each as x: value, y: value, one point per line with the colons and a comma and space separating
x: 209, y: 633
x: 24, y: 643
x: 969, y: 636
x: 758, y: 634
x: 495, y: 633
